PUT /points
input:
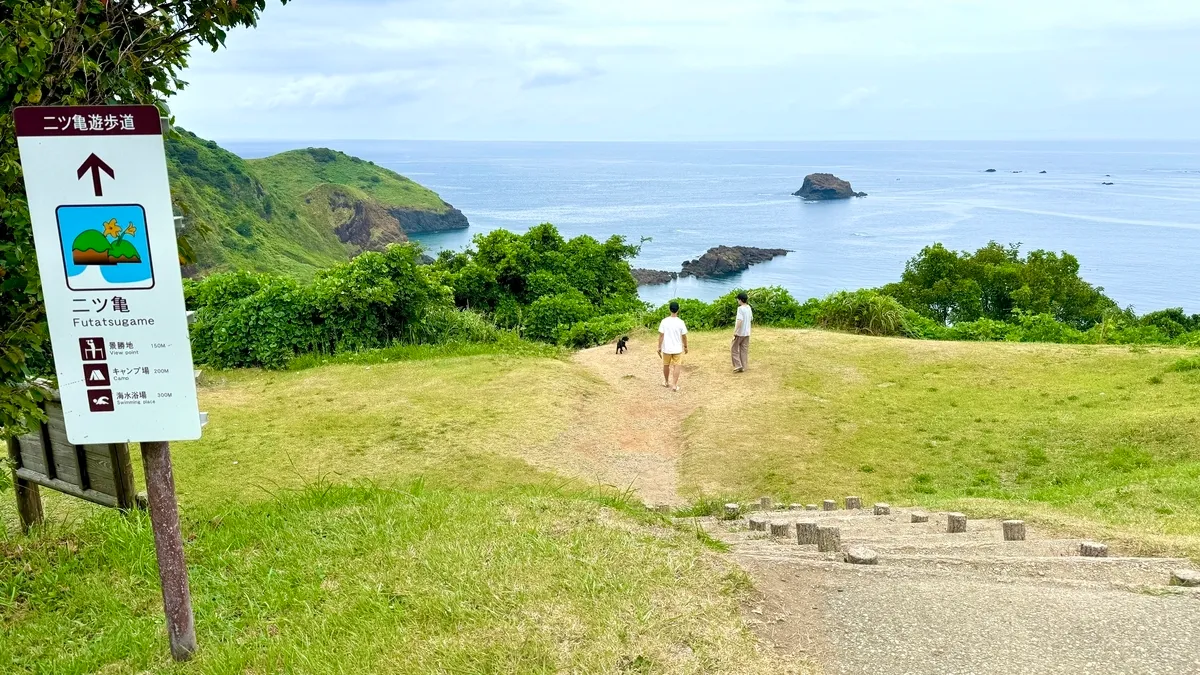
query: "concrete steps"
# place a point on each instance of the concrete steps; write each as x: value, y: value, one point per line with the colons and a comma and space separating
x: 905, y: 547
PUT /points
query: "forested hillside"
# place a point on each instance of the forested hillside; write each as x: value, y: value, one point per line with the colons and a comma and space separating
x: 295, y: 212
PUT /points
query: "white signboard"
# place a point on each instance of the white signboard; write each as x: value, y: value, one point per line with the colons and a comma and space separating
x: 100, y: 202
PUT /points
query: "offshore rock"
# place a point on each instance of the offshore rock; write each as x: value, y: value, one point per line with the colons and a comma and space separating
x: 645, y: 277
x: 723, y: 260
x: 825, y: 186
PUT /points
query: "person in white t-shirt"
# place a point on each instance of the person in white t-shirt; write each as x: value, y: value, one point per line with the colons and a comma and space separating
x: 740, y: 350
x: 672, y: 345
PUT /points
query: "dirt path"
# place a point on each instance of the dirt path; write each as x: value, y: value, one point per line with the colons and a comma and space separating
x: 936, y: 603
x: 629, y: 434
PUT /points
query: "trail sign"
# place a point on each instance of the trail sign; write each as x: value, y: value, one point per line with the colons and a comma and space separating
x: 110, y: 271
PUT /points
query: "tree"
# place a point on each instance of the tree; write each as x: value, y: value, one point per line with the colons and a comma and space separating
x: 78, y: 52
x: 994, y: 282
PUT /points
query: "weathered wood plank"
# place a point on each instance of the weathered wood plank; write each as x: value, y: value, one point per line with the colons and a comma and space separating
x: 32, y: 455
x: 29, y: 499
x: 69, y: 488
x: 66, y: 459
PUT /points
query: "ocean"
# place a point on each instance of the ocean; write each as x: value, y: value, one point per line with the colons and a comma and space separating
x: 1138, y: 238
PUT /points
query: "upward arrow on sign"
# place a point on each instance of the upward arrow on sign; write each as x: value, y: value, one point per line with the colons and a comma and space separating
x: 95, y: 165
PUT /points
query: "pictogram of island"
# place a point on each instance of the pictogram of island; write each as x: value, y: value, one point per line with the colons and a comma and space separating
x: 93, y: 247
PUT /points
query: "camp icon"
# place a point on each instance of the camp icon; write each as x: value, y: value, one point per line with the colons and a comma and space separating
x: 110, y: 245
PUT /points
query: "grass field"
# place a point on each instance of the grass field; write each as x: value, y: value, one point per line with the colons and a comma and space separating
x: 1102, y: 440
x: 381, y: 512
x: 378, y: 518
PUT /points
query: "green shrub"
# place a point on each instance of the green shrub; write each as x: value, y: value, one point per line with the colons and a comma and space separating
x: 862, y: 311
x: 372, y: 301
x: 772, y: 306
x: 697, y: 314
x: 546, y: 314
x: 444, y: 324
x: 597, y: 331
x: 980, y: 330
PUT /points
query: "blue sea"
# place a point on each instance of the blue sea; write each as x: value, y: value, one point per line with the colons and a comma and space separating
x: 1139, y: 238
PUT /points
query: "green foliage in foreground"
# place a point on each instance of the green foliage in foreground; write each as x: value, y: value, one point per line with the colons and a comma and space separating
x: 365, y: 579
x: 377, y: 299
x: 77, y: 52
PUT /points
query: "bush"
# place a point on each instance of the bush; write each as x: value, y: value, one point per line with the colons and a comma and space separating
x: 862, y: 311
x: 372, y: 301
x: 546, y: 314
x: 597, y: 331
x: 772, y: 306
x: 697, y: 314
x: 444, y: 324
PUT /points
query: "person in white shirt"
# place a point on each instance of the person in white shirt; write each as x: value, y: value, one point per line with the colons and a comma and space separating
x: 672, y: 345
x: 740, y: 350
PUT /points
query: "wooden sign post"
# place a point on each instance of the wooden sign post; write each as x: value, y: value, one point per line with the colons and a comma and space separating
x: 103, y: 227
x: 168, y: 544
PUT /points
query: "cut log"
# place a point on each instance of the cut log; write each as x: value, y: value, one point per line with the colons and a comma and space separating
x: 956, y: 522
x: 860, y: 555
x: 1014, y: 530
x: 882, y: 509
x: 1093, y: 549
x: 795, y: 507
x: 766, y: 503
x: 810, y: 507
x: 758, y: 524
x: 779, y: 528
x: 732, y: 510
x: 829, y: 505
x: 829, y: 539
x: 919, y: 517
x: 806, y: 532
x: 853, y: 503
x: 1188, y: 578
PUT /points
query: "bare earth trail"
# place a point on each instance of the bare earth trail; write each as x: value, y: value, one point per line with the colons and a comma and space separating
x: 935, y: 603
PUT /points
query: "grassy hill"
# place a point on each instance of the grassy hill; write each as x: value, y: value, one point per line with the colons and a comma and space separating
x: 401, y: 513
x: 295, y: 212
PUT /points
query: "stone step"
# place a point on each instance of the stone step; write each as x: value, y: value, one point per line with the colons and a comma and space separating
x: 1129, y: 571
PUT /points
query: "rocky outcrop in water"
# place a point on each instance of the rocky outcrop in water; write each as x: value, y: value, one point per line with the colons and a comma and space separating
x: 723, y: 260
x: 645, y: 277
x: 824, y: 186
x: 413, y: 221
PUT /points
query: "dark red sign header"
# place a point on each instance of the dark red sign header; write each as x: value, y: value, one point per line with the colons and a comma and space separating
x: 88, y: 120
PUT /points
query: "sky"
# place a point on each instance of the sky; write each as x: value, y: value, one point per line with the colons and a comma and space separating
x: 707, y: 70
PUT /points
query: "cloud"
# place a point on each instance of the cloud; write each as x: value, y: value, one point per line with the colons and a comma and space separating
x: 556, y: 72
x: 310, y: 91
x: 625, y: 69
x: 855, y: 96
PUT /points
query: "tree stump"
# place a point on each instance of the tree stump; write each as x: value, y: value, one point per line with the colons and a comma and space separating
x: 810, y: 507
x: 806, y: 532
x: 882, y: 509
x: 1014, y: 530
x: 779, y: 528
x: 732, y: 510
x: 829, y: 539
x: 919, y: 517
x: 758, y: 524
x: 853, y: 503
x: 829, y: 505
x: 860, y: 555
x: 1092, y: 549
x: 956, y: 522
x: 766, y: 503
x: 795, y: 507
x: 1186, y: 578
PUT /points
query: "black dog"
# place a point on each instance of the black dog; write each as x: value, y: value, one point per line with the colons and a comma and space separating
x: 621, y: 344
